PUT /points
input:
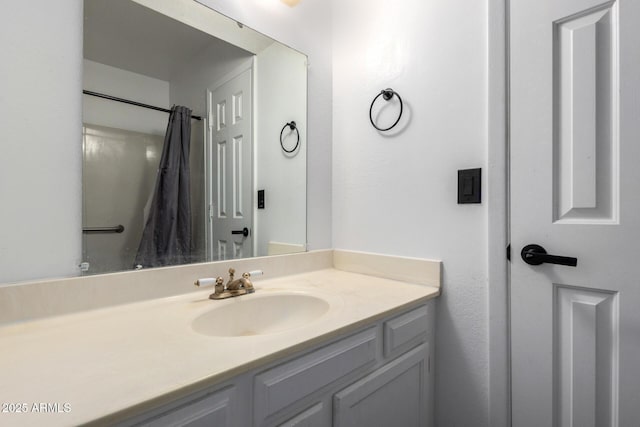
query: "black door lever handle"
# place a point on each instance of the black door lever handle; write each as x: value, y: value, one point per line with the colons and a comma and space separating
x: 536, y: 255
x: 244, y: 232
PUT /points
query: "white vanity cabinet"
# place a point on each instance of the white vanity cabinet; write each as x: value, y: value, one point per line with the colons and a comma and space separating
x: 378, y: 375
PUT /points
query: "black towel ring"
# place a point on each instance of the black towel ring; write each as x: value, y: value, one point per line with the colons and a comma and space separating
x: 386, y: 94
x: 292, y: 126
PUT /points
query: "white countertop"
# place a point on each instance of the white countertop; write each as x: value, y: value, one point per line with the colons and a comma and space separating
x: 125, y: 359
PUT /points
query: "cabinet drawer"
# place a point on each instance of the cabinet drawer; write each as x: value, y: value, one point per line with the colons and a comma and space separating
x: 211, y: 410
x: 283, y: 385
x: 403, y: 329
x: 312, y: 417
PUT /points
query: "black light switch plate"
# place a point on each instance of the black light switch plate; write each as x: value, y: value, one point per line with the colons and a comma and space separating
x: 260, y: 199
x: 469, y: 190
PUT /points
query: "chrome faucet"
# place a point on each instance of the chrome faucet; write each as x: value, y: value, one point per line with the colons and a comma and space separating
x: 233, y: 288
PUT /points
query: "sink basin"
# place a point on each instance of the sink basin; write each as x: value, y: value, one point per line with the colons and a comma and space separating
x: 260, y: 314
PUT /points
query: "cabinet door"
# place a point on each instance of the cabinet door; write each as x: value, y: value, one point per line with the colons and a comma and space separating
x: 394, y: 395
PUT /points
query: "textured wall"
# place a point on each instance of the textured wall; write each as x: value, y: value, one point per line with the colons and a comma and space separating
x: 397, y: 194
x: 41, y: 158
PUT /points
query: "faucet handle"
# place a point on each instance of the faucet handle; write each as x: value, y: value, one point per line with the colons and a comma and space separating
x: 206, y: 281
x: 219, y: 287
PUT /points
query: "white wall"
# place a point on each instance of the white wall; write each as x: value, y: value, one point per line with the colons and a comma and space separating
x: 306, y: 28
x: 190, y: 83
x: 40, y: 146
x: 124, y: 84
x: 397, y: 194
x: 281, y: 93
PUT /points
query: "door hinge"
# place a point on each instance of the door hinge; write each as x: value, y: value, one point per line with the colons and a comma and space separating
x: 509, y: 251
x: 210, y: 211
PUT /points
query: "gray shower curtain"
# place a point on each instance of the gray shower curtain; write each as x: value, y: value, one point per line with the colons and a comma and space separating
x: 166, y: 239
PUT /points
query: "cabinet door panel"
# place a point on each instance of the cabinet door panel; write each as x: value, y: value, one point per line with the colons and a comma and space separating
x: 394, y: 395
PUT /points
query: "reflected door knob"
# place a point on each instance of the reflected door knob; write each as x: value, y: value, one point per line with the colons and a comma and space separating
x: 536, y: 255
x: 244, y: 232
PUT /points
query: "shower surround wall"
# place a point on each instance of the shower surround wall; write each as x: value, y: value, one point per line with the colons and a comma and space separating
x: 397, y: 194
x: 117, y: 181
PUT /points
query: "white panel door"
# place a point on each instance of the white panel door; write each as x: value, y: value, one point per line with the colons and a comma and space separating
x: 575, y: 190
x: 231, y: 195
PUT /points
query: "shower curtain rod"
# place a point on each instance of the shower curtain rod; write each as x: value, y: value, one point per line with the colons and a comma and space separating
x: 126, y: 101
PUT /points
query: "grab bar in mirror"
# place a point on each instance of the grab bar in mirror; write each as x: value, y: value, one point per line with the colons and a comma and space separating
x: 117, y: 229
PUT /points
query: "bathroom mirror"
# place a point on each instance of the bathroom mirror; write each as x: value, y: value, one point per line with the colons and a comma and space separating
x: 246, y: 189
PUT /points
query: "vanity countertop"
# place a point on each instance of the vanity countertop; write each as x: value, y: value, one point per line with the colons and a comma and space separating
x: 117, y: 362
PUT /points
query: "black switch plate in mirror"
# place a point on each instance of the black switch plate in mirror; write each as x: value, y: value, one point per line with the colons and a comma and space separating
x: 260, y: 199
x: 469, y: 190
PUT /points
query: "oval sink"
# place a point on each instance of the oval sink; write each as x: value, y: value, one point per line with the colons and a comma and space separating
x: 260, y: 314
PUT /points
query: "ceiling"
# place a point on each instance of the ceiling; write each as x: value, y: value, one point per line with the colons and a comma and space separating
x: 129, y: 36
